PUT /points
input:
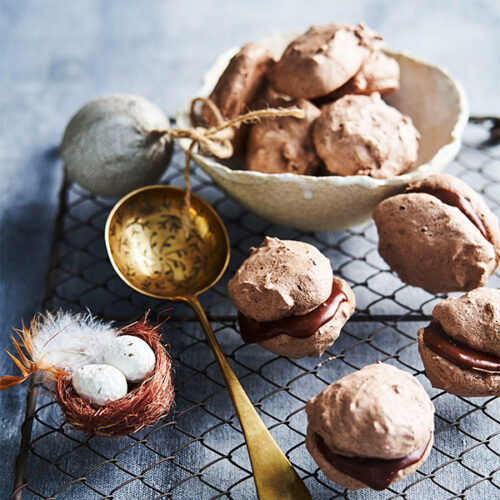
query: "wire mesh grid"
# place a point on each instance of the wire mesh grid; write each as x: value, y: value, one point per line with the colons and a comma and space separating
x: 198, y: 450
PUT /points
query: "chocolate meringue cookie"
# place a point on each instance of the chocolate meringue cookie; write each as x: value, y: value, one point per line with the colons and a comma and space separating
x: 379, y: 73
x: 284, y: 144
x: 362, y: 135
x: 360, y: 425
x: 460, y: 349
x: 322, y: 59
x: 288, y: 299
x: 439, y: 235
x: 241, y: 81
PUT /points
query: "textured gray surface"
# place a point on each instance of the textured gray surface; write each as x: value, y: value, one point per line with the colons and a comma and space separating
x: 55, y: 55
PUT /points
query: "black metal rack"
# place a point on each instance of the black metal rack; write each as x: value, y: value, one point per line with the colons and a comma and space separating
x: 198, y: 450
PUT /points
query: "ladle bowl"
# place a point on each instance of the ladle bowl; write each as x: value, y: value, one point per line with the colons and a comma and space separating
x: 150, y: 252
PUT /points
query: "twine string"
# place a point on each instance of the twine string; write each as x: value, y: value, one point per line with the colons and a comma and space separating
x: 217, y: 139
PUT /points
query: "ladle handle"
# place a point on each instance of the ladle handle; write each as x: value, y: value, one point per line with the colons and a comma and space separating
x: 274, y: 476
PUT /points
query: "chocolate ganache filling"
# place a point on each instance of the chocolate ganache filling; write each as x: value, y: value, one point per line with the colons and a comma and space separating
x: 377, y: 473
x: 453, y: 199
x: 465, y: 357
x: 295, y: 326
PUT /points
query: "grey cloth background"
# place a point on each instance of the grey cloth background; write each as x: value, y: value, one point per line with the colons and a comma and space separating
x: 56, y: 55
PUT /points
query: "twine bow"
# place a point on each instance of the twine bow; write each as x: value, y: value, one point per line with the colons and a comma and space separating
x: 217, y: 139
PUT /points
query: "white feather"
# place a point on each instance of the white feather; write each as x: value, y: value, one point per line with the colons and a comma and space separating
x: 70, y: 341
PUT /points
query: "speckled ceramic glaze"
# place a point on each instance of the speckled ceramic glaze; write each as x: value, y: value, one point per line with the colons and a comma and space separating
x: 428, y: 94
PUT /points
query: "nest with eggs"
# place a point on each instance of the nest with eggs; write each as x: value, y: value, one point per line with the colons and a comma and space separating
x: 141, y: 407
x: 59, y: 344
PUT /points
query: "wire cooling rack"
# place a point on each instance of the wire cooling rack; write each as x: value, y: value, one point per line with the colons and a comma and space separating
x: 198, y: 451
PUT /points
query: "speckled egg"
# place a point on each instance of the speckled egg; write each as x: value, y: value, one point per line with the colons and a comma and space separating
x: 100, y: 383
x: 132, y: 356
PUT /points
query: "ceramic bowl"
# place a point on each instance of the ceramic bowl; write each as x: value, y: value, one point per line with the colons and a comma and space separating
x: 428, y: 94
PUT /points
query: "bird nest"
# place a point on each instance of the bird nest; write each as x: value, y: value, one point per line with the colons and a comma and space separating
x: 141, y: 407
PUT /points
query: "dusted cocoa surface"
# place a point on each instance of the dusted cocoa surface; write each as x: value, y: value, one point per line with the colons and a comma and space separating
x: 488, y: 219
x: 379, y: 73
x: 333, y: 203
x: 285, y: 278
x: 433, y: 245
x: 243, y: 79
x: 377, y: 412
x: 281, y: 278
x: 323, y: 59
x: 362, y: 135
x: 284, y: 144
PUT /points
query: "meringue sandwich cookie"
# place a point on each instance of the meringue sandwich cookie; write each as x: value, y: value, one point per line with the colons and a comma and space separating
x: 362, y: 135
x: 241, y: 82
x: 288, y: 300
x: 439, y: 235
x: 322, y: 59
x: 370, y: 428
x: 284, y: 144
x: 460, y: 348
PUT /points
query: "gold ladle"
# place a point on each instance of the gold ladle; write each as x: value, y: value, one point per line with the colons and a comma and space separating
x: 151, y: 253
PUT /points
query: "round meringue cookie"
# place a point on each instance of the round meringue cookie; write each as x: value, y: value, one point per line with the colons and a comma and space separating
x: 241, y: 82
x: 433, y: 244
x: 281, y: 278
x: 472, y: 323
x: 288, y: 281
x: 322, y: 59
x: 379, y: 73
x: 378, y: 412
x: 362, y: 135
x: 284, y: 144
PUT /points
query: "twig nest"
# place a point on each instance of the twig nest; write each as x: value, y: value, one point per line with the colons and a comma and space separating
x: 142, y: 406
x: 116, y: 144
x: 94, y: 396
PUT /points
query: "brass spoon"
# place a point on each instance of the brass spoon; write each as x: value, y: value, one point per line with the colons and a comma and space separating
x: 149, y: 251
